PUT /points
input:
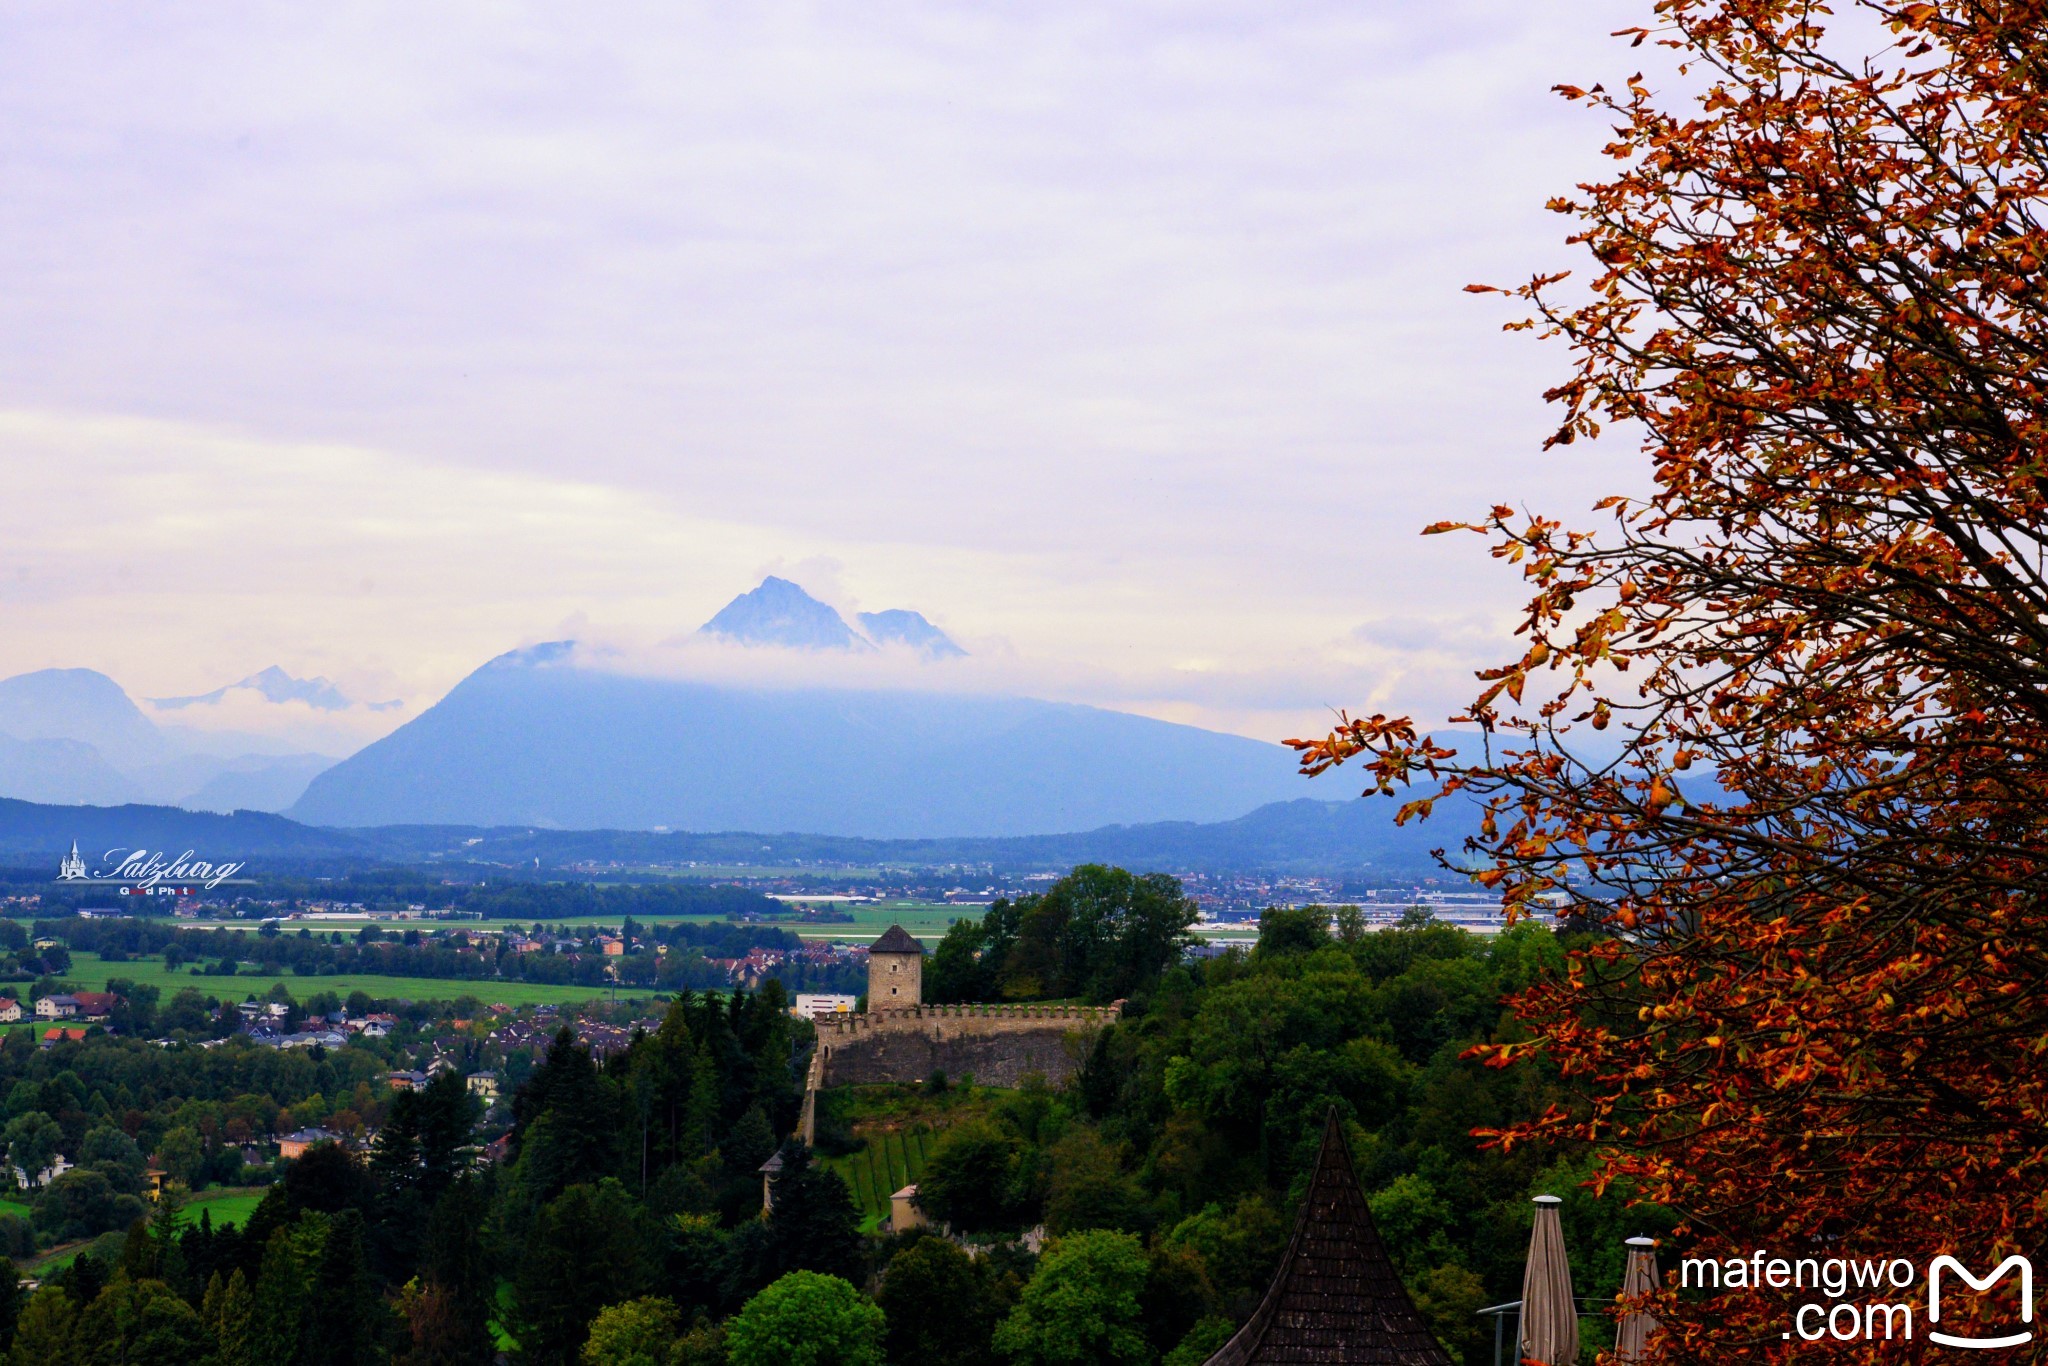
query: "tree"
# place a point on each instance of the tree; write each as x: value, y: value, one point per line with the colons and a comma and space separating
x: 345, y: 1320
x: 589, y: 1248
x: 806, y: 1319
x: 228, y: 1311
x: 180, y: 1154
x: 937, y: 1306
x: 640, y: 1332
x: 1098, y: 932
x: 81, y: 1203
x: 1081, y: 1306
x: 139, y: 1323
x: 970, y: 1180
x: 956, y: 971
x: 11, y: 1300
x: 1809, y: 834
x: 278, y: 1303
x: 42, y: 1335
x: 814, y: 1225
x: 32, y: 1141
x: 114, y: 1155
x: 1088, y: 1187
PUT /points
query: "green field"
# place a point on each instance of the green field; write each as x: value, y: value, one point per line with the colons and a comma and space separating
x: 89, y: 973
x: 225, y: 1204
x: 18, y: 1208
x: 925, y: 919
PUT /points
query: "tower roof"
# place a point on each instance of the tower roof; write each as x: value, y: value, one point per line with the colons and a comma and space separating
x: 1336, y: 1298
x: 896, y: 939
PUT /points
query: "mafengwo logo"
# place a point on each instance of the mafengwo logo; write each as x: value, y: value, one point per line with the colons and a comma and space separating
x: 1872, y: 1316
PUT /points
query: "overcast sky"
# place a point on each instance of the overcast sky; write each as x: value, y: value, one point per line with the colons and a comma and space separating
x: 1126, y: 342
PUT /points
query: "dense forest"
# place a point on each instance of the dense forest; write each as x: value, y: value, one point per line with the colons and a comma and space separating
x: 625, y: 1221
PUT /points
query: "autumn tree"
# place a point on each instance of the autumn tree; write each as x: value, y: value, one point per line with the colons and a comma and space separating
x: 1810, y: 822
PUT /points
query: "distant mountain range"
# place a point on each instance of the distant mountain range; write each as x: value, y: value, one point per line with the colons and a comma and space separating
x: 543, y: 737
x: 73, y: 735
x: 275, y: 685
x: 533, y: 738
x: 1354, y: 837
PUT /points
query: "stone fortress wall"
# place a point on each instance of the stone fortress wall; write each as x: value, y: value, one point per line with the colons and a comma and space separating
x: 997, y: 1045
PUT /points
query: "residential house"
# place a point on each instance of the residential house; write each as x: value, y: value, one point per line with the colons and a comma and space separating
x: 96, y: 1005
x: 53, y: 1037
x: 57, y: 1008
x: 293, y: 1145
x: 10, y: 1010
x: 483, y: 1084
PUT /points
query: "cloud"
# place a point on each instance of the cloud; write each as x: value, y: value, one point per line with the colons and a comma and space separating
x: 372, y: 340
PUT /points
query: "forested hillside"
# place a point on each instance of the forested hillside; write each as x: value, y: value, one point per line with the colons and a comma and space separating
x: 624, y: 1221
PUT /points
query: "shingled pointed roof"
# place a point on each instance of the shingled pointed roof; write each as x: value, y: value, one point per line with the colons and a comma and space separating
x: 896, y: 939
x: 1335, y: 1299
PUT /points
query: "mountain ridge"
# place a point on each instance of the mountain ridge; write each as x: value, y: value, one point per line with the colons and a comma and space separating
x: 531, y: 738
x: 1305, y: 835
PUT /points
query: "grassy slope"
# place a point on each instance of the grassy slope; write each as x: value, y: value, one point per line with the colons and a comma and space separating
x: 897, y: 1127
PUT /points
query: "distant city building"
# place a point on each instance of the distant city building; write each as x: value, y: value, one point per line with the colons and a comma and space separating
x: 811, y: 1004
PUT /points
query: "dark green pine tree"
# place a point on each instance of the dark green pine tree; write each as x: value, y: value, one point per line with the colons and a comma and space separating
x: 345, y: 1322
x: 456, y: 1268
x: 564, y: 1121
x: 814, y: 1225
x: 589, y: 1248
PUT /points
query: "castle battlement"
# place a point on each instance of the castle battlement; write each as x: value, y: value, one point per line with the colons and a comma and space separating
x: 998, y: 1045
x: 967, y: 1019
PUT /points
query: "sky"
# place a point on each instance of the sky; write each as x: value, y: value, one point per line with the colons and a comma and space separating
x: 1127, y: 342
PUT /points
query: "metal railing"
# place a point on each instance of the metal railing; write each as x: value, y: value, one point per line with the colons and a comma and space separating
x: 1500, y: 1313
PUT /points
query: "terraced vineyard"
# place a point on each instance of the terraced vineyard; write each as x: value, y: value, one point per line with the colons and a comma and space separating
x: 885, y: 1164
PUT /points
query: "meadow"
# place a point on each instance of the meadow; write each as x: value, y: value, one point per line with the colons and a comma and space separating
x: 89, y: 972
x: 925, y: 919
x: 223, y: 1205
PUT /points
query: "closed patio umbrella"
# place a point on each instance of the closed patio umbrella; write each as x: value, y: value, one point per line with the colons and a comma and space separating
x: 1632, y: 1338
x: 1550, y: 1317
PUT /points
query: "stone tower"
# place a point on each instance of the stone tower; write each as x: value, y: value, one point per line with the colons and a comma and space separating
x: 895, y: 970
